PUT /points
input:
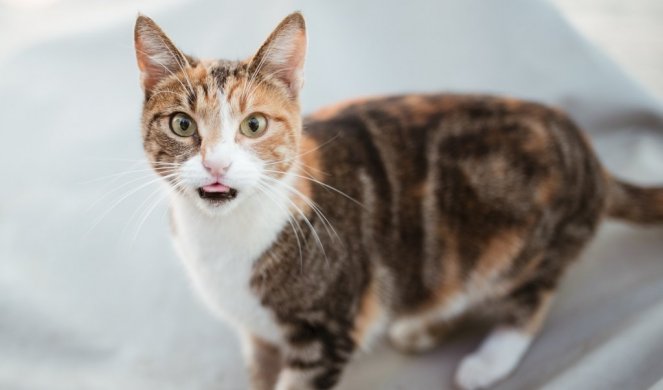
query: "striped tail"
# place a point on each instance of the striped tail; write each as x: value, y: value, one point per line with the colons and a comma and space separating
x: 641, y: 205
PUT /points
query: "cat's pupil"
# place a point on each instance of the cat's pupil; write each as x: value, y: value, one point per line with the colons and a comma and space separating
x: 184, y: 124
x: 254, y: 124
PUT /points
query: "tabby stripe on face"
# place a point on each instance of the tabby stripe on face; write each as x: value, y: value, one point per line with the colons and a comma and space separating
x: 220, y: 75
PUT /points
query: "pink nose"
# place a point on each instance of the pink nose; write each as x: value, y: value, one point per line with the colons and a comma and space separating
x: 216, y: 167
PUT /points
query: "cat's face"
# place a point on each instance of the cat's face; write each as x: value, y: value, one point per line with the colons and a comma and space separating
x: 221, y: 131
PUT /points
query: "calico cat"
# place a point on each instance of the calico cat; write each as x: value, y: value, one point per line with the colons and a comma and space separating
x: 381, y: 217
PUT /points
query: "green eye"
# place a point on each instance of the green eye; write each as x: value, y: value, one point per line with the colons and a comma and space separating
x: 182, y: 125
x: 254, y: 125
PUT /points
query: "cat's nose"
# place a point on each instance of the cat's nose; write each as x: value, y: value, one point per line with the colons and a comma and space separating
x: 217, y: 167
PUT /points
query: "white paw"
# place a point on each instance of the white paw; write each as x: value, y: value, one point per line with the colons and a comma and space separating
x: 411, y: 336
x: 293, y: 380
x: 497, y: 357
x: 475, y: 372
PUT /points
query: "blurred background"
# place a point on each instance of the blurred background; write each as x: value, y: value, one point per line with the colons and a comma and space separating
x: 629, y: 31
x: 91, y: 293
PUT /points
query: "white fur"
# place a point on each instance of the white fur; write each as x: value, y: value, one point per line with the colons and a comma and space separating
x: 219, y: 252
x: 229, y: 123
x: 291, y: 379
x: 220, y: 243
x: 497, y: 357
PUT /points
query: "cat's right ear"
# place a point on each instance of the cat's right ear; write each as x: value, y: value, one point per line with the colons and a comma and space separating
x: 157, y: 56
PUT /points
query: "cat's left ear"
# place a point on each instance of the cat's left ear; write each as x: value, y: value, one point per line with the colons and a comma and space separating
x: 283, y: 53
x: 157, y: 56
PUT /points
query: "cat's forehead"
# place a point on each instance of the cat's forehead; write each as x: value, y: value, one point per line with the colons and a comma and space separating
x: 214, y: 77
x: 221, y: 71
x: 196, y: 88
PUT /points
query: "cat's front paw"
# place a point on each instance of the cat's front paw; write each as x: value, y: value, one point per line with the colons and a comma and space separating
x: 475, y: 372
x: 293, y: 380
x: 479, y: 371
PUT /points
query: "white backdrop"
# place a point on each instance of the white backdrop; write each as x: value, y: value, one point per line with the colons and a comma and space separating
x: 91, y: 294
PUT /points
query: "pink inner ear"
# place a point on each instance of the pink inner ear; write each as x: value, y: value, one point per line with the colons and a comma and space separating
x: 150, y: 74
x: 287, y: 64
x: 157, y: 57
x: 296, y: 62
x: 285, y: 54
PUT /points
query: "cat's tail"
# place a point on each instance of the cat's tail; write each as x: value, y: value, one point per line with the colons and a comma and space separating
x: 642, y: 205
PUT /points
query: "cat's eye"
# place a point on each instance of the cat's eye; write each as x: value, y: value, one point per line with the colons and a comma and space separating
x: 254, y: 125
x: 183, y: 125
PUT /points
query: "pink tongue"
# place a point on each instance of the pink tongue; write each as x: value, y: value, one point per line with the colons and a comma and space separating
x: 216, y: 187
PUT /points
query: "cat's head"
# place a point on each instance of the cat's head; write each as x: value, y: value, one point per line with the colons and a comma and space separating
x: 220, y: 131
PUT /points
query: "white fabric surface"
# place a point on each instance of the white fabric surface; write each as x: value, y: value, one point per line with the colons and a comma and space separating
x: 89, y: 304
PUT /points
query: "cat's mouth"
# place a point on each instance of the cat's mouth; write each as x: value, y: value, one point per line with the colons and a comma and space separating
x: 217, y: 193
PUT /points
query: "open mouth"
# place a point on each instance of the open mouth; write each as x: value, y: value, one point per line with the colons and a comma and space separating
x: 217, y: 193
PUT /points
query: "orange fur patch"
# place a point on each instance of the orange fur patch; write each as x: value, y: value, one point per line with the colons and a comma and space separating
x: 498, y: 255
x: 331, y: 111
x: 367, y: 314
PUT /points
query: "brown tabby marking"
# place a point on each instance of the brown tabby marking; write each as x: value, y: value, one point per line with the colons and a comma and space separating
x: 309, y: 170
x: 329, y: 112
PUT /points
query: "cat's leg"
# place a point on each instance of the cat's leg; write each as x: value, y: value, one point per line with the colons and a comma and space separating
x: 502, y: 350
x: 420, y: 333
x: 315, y: 356
x: 263, y: 360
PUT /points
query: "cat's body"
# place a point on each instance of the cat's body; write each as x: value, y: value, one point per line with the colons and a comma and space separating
x: 383, y: 216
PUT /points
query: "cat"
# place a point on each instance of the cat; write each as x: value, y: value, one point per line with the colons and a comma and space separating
x: 386, y: 217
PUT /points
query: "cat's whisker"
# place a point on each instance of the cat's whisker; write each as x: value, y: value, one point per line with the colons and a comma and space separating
x: 181, y: 66
x: 164, y: 66
x: 116, y: 176
x: 127, y: 183
x: 125, y: 196
x: 264, y: 79
x: 175, y: 186
x: 265, y: 191
x: 152, y: 208
x: 256, y: 71
x: 165, y: 91
x: 314, y: 206
x: 322, y: 184
x: 316, y: 236
x: 142, y: 205
x: 305, y: 153
x: 306, y: 169
x: 132, y: 160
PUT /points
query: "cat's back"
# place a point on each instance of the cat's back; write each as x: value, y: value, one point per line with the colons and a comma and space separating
x: 508, y: 150
x: 416, y: 120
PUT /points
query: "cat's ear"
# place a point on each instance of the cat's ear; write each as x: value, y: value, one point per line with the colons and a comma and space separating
x: 157, y: 56
x: 283, y: 53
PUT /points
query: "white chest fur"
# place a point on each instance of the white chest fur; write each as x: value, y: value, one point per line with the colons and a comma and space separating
x: 218, y: 253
